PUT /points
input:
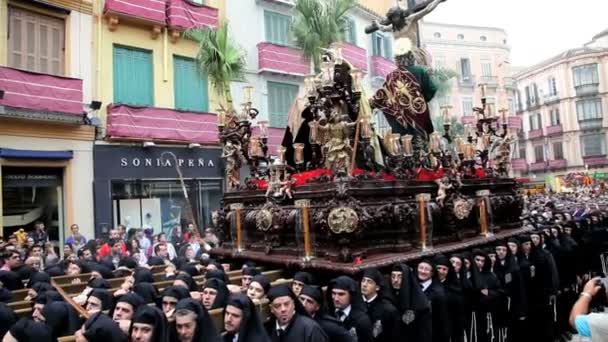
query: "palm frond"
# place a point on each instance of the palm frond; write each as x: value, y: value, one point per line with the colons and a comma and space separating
x: 318, y: 24
x: 220, y: 58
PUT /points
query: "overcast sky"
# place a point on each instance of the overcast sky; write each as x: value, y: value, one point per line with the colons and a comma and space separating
x: 537, y: 29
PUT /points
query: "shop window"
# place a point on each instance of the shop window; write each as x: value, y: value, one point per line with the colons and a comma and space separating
x: 280, y: 98
x: 160, y: 205
x: 190, y: 85
x: 133, y: 76
x: 36, y: 42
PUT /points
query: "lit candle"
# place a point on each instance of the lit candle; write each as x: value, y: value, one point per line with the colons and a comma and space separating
x: 314, y: 132
x: 406, y: 143
x: 338, y: 59
x: 281, y: 150
x: 221, y: 118
x: 485, y: 141
x: 366, y: 129
x: 469, y: 151
x: 298, y: 153
x: 395, y: 144
x: 435, y: 142
x: 248, y: 90
x: 309, y: 86
x: 446, y: 114
x: 263, y: 126
x: 459, y: 144
x: 356, y: 75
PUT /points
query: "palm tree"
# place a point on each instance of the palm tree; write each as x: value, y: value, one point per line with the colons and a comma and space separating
x: 220, y: 58
x: 317, y: 24
x: 441, y: 77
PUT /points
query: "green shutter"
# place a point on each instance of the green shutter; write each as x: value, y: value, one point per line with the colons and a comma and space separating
x: 190, y: 86
x: 351, y: 36
x: 280, y: 98
x: 133, y: 76
x: 276, y: 26
x: 388, y: 48
x: 376, y: 48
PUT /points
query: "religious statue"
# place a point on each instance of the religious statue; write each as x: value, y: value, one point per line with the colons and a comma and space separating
x: 502, y: 155
x: 405, y: 95
x: 286, y: 185
x: 403, y: 22
x: 339, y: 150
x: 442, y: 193
x: 232, y: 156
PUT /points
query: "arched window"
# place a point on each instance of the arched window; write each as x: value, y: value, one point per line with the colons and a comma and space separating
x: 437, y: 35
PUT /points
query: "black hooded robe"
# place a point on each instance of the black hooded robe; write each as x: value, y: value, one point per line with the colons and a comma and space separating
x: 251, y: 328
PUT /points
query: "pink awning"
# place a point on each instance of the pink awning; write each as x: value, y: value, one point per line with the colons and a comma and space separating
x: 558, y: 163
x: 357, y: 56
x: 282, y: 59
x: 153, y: 10
x: 184, y: 15
x: 31, y: 90
x: 555, y: 129
x: 595, y: 160
x: 535, y: 133
x: 468, y: 120
x: 382, y: 66
x: 519, y: 164
x: 141, y: 123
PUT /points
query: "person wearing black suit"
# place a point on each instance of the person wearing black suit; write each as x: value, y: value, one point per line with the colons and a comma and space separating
x: 311, y: 298
x: 344, y: 301
x: 380, y: 308
x: 435, y: 293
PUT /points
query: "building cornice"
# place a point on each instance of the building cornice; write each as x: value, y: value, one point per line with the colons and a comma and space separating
x: 498, y: 29
x: 461, y: 43
x: 565, y: 57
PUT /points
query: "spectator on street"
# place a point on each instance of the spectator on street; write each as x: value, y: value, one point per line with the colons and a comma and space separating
x: 592, y: 325
x: 39, y: 234
x: 77, y: 240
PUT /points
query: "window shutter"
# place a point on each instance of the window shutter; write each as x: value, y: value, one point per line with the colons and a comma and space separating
x: 280, y: 98
x: 35, y: 41
x: 190, y: 87
x: 388, y: 48
x: 352, y: 31
x: 376, y: 48
x: 133, y: 76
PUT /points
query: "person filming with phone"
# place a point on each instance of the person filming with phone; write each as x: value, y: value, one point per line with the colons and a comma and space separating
x: 593, y: 325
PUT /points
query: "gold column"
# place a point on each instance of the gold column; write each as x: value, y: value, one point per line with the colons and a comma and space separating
x: 422, y: 199
x: 483, y: 212
x: 305, y: 205
x: 237, y: 207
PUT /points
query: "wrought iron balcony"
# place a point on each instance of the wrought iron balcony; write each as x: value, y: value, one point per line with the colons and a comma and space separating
x: 589, y: 89
x: 535, y: 133
x: 466, y: 81
x: 590, y: 123
x: 558, y: 164
x: 597, y: 160
x: 490, y: 81
x: 554, y: 129
x: 538, y: 166
x: 509, y: 83
x: 551, y: 99
x: 519, y: 164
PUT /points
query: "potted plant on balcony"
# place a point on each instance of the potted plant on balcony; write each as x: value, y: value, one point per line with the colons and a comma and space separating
x: 318, y: 24
x: 221, y: 59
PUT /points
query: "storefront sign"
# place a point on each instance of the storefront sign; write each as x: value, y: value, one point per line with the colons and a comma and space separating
x: 165, y: 162
x: 21, y: 177
x: 120, y: 162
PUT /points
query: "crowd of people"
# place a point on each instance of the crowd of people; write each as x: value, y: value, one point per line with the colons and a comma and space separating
x: 540, y: 286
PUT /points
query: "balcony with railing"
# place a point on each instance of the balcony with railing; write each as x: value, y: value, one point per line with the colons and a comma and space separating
x: 590, y: 123
x: 588, y: 89
x: 519, y: 164
x: 509, y: 83
x: 184, y: 14
x: 538, y: 166
x: 514, y: 122
x: 558, y: 164
x: 149, y: 11
x: 126, y: 122
x: 550, y: 99
x: 532, y: 105
x: 554, y: 129
x: 281, y: 59
x: 43, y: 96
x: 466, y: 81
x: 535, y: 133
x: 597, y: 160
x: 356, y: 55
x: 382, y: 66
x: 490, y: 81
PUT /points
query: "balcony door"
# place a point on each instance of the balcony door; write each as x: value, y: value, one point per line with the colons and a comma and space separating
x: 36, y: 42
